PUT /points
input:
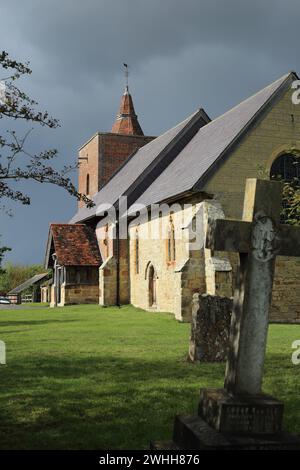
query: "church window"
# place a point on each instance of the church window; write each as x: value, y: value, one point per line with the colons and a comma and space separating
x: 286, y: 168
x: 137, y: 252
x: 171, y: 248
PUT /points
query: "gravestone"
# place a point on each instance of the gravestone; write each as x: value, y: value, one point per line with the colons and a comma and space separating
x: 210, y: 327
x: 241, y: 416
x: 2, y: 353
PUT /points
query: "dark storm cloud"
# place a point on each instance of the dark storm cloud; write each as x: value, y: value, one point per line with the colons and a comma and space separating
x: 88, y: 40
x: 183, y: 54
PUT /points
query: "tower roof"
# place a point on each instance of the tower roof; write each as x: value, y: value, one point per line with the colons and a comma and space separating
x: 126, y: 121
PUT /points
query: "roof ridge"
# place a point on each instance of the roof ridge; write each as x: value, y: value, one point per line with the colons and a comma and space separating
x: 184, y: 132
x: 64, y: 223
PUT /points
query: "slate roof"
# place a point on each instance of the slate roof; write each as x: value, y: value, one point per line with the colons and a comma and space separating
x: 139, y: 170
x: 194, y: 163
x: 209, y: 147
x: 74, y: 245
x: 30, y: 282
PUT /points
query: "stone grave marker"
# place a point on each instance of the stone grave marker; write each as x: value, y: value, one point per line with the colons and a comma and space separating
x: 241, y: 416
x: 2, y: 353
x: 210, y: 328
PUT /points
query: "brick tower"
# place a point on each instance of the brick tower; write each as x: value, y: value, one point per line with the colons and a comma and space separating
x: 105, y: 152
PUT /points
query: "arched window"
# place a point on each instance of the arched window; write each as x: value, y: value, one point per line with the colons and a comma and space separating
x: 286, y: 168
x: 152, y: 286
x: 137, y: 252
x: 171, y: 248
x: 87, y: 184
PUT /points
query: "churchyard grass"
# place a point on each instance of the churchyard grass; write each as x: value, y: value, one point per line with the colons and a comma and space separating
x: 85, y: 377
x: 35, y: 304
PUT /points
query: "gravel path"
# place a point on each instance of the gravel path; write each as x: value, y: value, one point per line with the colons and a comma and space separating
x: 20, y: 307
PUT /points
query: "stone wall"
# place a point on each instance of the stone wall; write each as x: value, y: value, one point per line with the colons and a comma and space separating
x: 75, y: 294
x: 176, y: 280
x: 108, y: 276
x: 108, y: 282
x: 218, y: 269
x: 210, y: 328
x: 286, y: 290
x: 195, y: 270
x: 79, y: 294
x: 192, y: 280
x: 273, y: 135
x: 124, y: 272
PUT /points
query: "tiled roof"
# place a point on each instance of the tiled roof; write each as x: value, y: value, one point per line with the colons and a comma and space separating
x: 74, y: 245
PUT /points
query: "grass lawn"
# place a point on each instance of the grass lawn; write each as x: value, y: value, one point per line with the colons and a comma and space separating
x: 86, y: 377
x: 35, y: 304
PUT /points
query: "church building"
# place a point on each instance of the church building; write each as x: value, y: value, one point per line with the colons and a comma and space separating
x: 171, y: 186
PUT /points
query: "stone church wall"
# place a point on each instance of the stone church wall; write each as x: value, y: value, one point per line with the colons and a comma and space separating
x: 108, y: 276
x: 176, y: 281
x: 278, y: 132
x: 108, y: 282
x: 286, y: 291
x: 76, y: 294
x: 80, y: 294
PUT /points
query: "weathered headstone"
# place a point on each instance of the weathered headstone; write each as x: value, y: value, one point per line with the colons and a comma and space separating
x: 210, y: 327
x: 240, y: 416
x: 2, y: 353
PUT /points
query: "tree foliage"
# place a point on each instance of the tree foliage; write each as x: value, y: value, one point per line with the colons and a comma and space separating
x: 14, y: 274
x: 16, y: 163
x: 3, y: 250
x: 290, y: 196
x: 291, y: 203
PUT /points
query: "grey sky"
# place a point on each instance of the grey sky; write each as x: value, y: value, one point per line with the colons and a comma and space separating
x: 182, y: 54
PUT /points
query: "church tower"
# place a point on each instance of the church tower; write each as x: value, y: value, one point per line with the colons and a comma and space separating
x: 126, y: 121
x: 105, y: 152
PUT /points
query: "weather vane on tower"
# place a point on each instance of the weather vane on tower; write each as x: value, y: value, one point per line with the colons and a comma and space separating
x: 126, y: 71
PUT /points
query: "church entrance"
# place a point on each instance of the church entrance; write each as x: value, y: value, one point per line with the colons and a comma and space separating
x: 152, y: 287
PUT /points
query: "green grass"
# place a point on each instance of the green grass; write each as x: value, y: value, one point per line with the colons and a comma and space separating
x: 35, y: 304
x: 85, y: 377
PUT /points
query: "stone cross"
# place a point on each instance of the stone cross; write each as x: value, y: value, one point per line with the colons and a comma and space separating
x: 258, y: 238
